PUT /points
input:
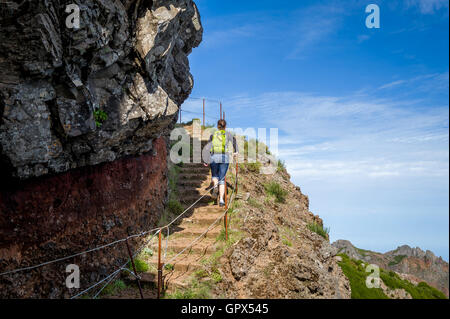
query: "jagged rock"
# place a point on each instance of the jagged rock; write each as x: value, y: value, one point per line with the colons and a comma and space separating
x: 346, y: 247
x: 128, y: 58
x: 278, y: 256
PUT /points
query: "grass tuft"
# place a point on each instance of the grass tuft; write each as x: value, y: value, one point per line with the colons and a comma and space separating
x: 275, y: 189
x: 318, y: 229
x: 141, y: 266
x: 114, y: 288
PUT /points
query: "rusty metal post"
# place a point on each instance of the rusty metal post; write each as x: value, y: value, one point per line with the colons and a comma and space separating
x: 226, y: 208
x: 237, y: 173
x: 226, y: 197
x: 223, y: 115
x: 226, y: 225
x: 204, y: 112
x: 159, y: 265
x: 134, y: 268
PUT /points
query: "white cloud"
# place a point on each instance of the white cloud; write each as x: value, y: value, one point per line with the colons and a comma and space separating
x: 428, y: 6
x: 427, y: 82
x: 363, y: 37
x: 355, y: 137
x: 392, y: 84
x: 314, y: 25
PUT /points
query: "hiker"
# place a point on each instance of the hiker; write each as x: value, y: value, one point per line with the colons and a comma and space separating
x: 218, y: 150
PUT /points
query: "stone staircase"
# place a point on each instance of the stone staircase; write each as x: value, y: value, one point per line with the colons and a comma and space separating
x: 193, y: 181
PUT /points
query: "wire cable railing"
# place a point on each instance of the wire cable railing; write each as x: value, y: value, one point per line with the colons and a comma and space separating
x: 156, y: 231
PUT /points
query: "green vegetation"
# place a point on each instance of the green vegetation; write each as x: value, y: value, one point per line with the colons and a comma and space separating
x: 397, y: 260
x: 253, y: 202
x: 100, y: 116
x: 286, y: 241
x: 141, y: 266
x: 201, y: 273
x: 174, y: 207
x: 169, y: 267
x: 281, y: 166
x: 318, y: 229
x: 421, y: 291
x: 196, y: 290
x: 275, y: 189
x: 362, y: 252
x: 254, y: 167
x: 114, y: 288
x: 287, y: 234
x: 216, y: 276
x: 233, y: 236
x: 203, y: 279
x: 356, y: 274
x: 147, y: 252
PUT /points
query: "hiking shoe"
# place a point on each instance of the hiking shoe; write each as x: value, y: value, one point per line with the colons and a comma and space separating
x: 222, y: 204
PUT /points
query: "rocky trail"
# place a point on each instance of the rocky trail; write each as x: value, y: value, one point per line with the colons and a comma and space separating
x: 194, y: 181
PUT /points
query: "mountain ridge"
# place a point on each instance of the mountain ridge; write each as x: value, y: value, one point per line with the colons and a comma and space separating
x: 411, y: 263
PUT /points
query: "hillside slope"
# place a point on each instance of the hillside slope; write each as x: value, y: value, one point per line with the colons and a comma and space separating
x: 276, y: 247
x: 413, y: 264
x: 271, y: 251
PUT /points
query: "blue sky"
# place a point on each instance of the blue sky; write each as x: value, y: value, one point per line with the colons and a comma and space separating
x: 363, y: 114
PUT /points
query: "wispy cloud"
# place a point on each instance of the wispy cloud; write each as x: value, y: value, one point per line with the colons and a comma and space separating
x: 428, y: 6
x: 363, y: 37
x: 224, y: 37
x: 427, y: 82
x: 314, y: 25
x: 392, y: 84
x: 357, y: 136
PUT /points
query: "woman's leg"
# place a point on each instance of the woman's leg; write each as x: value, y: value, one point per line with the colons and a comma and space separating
x: 215, y: 175
x: 223, y: 172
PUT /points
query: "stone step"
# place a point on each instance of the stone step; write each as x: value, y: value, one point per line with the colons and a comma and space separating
x: 188, y: 192
x: 191, y: 199
x: 198, y: 219
x: 195, y: 170
x: 196, y: 177
x: 181, y: 266
x: 193, y: 165
x: 193, y: 176
x: 195, y: 231
x: 209, y: 209
x: 205, y: 246
x: 197, y: 183
x: 172, y: 280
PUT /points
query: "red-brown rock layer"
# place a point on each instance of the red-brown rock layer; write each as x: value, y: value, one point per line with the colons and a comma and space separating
x: 55, y: 216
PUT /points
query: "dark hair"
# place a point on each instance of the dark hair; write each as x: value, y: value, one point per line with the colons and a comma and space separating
x: 221, y: 124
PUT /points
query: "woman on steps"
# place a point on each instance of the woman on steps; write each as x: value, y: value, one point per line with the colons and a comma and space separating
x: 219, y: 157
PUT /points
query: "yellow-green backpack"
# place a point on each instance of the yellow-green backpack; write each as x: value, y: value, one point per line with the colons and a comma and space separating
x: 218, y: 142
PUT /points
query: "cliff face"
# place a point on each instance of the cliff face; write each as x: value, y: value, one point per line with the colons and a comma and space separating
x: 127, y: 59
x: 413, y: 264
x: 84, y: 115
